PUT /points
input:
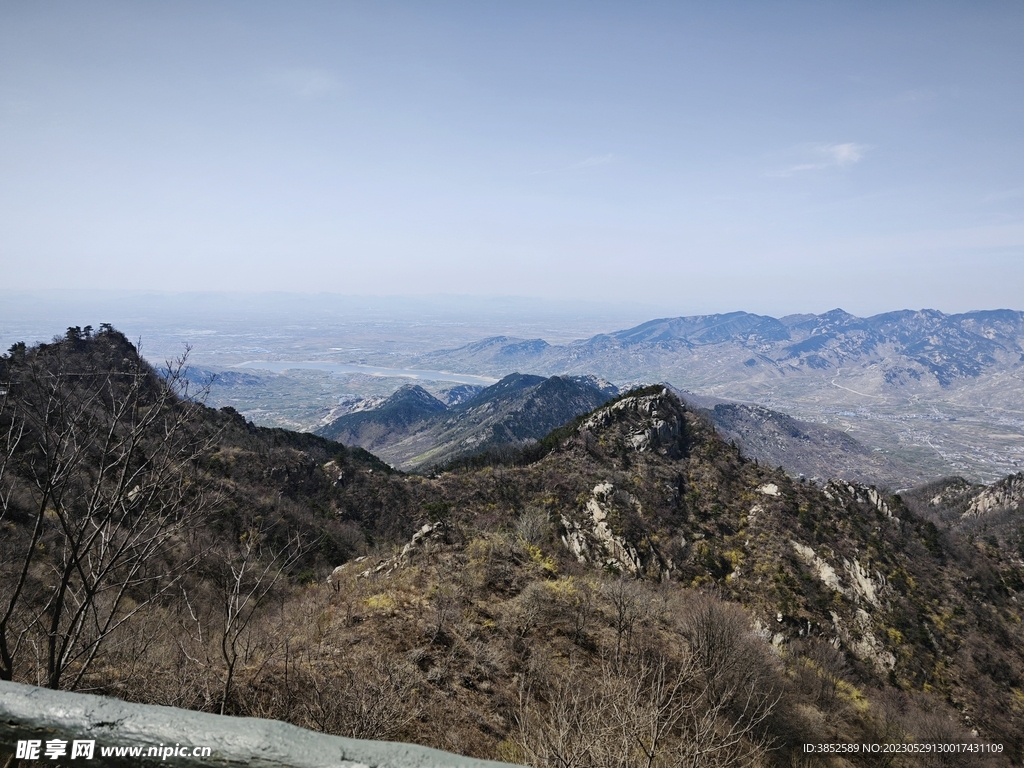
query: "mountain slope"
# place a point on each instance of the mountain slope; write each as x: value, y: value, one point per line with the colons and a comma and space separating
x: 518, y: 409
x: 644, y: 487
x: 631, y: 573
x: 802, y: 448
x: 372, y: 429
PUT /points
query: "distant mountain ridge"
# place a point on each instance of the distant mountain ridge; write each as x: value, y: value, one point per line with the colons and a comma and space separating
x: 413, y: 429
x: 372, y: 429
x: 943, y: 393
x: 927, y: 342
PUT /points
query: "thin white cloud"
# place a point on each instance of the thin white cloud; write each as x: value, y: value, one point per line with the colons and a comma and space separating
x: 820, y: 157
x: 305, y: 83
x: 846, y: 154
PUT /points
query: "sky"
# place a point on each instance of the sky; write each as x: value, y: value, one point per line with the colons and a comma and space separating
x: 772, y: 157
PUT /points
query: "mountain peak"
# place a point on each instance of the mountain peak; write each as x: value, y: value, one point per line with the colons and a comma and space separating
x: 648, y: 419
x: 414, y: 394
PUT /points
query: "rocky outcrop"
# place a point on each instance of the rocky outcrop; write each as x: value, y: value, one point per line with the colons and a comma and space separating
x: 657, y: 424
x: 862, y: 642
x: 860, y: 494
x: 866, y: 589
x: 592, y: 540
x: 1002, y: 496
x: 429, y: 534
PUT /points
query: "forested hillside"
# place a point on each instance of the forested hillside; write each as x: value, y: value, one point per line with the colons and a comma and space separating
x: 631, y: 590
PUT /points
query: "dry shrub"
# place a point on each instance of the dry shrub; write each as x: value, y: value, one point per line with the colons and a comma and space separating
x: 707, y: 701
x: 367, y: 695
x: 819, y: 670
x: 533, y: 526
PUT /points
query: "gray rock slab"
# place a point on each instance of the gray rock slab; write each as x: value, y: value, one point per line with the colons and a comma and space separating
x: 28, y: 712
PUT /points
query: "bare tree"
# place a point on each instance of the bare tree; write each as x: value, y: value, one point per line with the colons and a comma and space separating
x: 250, y: 574
x: 532, y: 526
x: 650, y: 700
x: 738, y: 689
x: 723, y: 647
x: 716, y: 733
x: 563, y: 719
x: 630, y: 603
x: 99, y: 482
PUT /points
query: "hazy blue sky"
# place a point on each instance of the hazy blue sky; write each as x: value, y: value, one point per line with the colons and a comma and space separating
x: 773, y: 157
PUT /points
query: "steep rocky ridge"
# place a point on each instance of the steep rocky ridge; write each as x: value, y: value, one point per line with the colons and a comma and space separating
x: 518, y: 409
x: 374, y: 428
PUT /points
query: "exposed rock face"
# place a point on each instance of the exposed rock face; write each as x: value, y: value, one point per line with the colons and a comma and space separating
x: 860, y: 585
x: 860, y: 494
x: 1007, y: 494
x: 825, y: 572
x: 658, y: 425
x: 592, y: 540
x: 861, y: 640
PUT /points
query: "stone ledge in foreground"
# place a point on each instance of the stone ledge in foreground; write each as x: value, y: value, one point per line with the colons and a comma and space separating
x: 28, y: 712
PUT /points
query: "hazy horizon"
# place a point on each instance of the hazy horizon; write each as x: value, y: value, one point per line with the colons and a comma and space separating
x: 167, y: 320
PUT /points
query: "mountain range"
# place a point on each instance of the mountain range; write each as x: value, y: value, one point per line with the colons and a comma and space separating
x: 630, y: 573
x: 906, y: 346
x: 941, y: 393
x: 414, y: 430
